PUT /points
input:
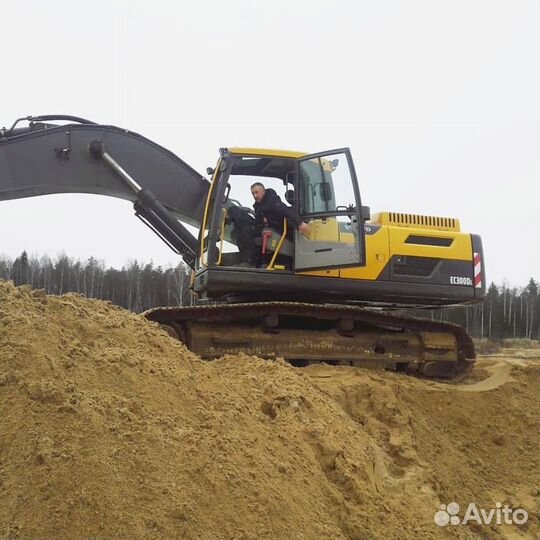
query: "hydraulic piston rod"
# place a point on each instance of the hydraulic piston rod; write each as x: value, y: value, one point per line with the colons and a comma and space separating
x: 151, y: 212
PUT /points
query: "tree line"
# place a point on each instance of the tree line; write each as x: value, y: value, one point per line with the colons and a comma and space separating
x: 506, y: 312
x: 137, y: 286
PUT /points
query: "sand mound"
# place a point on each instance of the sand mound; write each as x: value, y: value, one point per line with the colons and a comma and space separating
x: 111, y: 429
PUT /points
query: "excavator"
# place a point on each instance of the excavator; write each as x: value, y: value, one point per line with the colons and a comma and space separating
x: 332, y: 295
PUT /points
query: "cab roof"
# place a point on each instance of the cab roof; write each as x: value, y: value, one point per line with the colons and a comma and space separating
x: 267, y: 152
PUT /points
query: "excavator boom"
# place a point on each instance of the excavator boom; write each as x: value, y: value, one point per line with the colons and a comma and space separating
x: 61, y: 163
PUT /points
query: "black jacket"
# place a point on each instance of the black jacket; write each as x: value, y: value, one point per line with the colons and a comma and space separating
x: 271, y: 211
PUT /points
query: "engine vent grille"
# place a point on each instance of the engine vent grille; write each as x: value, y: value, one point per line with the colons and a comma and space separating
x: 417, y: 221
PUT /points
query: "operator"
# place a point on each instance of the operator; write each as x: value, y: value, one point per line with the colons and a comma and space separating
x: 270, y: 211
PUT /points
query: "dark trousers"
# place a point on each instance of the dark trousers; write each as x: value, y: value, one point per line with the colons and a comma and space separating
x: 245, y: 240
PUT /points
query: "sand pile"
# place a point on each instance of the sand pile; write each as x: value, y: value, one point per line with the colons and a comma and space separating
x: 111, y: 429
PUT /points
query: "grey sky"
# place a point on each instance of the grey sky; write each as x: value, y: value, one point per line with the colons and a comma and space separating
x: 438, y: 100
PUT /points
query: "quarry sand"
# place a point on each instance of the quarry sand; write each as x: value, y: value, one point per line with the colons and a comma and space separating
x: 109, y: 428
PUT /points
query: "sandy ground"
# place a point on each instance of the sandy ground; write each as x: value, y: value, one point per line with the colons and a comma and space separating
x: 111, y: 429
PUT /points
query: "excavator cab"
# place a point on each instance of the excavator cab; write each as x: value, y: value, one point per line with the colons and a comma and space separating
x: 323, y: 190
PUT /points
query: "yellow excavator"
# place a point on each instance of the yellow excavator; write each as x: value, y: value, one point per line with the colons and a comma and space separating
x: 332, y: 295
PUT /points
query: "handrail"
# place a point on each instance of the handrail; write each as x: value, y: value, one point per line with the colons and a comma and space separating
x: 222, y: 235
x: 280, y: 243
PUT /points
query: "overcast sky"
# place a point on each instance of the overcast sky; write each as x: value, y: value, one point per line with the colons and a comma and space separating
x: 438, y: 100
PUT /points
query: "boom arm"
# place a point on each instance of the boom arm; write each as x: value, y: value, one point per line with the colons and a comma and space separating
x: 84, y: 157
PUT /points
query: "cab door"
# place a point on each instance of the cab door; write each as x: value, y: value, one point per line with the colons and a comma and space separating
x: 328, y: 199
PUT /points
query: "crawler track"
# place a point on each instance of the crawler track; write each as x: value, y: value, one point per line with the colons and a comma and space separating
x: 308, y: 333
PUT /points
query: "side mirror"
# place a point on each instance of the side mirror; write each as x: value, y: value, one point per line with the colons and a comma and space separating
x: 209, y: 171
x: 365, y: 212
